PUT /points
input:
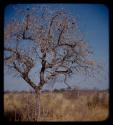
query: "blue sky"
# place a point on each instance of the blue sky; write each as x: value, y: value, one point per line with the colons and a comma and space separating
x: 93, y: 22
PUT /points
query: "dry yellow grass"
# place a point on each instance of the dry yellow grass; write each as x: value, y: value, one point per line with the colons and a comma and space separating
x: 57, y: 106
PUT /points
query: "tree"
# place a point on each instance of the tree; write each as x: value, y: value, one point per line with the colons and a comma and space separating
x: 49, y: 37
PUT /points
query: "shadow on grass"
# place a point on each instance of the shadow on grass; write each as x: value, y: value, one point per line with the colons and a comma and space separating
x: 12, y: 116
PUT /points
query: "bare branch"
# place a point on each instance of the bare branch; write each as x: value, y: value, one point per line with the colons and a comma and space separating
x: 60, y: 35
x: 17, y: 68
x: 10, y: 49
x: 51, y: 23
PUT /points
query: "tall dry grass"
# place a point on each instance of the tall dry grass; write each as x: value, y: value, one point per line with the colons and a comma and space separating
x: 57, y: 106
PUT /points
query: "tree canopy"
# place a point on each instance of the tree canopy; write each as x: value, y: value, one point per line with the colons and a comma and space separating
x: 50, y: 38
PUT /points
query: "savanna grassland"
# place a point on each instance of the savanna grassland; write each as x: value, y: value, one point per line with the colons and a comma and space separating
x: 57, y: 106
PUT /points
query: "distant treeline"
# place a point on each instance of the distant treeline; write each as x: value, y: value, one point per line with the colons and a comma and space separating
x: 58, y: 90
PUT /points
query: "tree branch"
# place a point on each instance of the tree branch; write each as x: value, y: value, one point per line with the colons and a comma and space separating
x: 10, y: 49
x: 60, y: 35
x: 51, y: 23
x: 28, y: 80
x: 17, y: 68
x: 25, y: 76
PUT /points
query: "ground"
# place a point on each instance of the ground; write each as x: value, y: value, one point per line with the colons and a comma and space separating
x: 57, y: 106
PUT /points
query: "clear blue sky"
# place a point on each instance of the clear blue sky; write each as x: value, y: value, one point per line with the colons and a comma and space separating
x: 93, y: 21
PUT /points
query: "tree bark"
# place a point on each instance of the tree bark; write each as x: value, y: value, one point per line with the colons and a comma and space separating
x: 38, y: 106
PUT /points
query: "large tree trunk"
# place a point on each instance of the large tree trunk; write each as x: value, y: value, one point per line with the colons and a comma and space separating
x: 39, y: 87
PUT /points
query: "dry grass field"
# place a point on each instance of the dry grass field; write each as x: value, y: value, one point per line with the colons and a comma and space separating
x: 57, y: 106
